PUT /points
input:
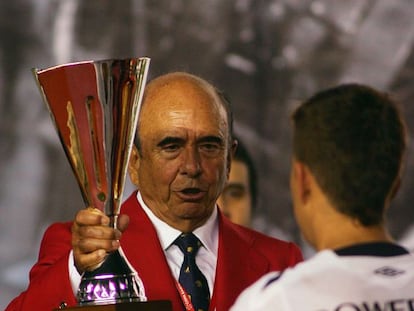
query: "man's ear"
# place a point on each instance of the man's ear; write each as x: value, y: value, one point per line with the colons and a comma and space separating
x: 230, y: 156
x: 234, y: 145
x: 133, y: 166
x: 303, y: 180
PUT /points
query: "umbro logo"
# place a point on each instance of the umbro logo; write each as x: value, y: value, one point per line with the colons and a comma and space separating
x: 388, y: 271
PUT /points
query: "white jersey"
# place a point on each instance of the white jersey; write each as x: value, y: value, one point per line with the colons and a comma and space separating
x: 330, y: 282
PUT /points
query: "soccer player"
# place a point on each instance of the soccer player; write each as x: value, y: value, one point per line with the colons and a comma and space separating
x: 348, y: 148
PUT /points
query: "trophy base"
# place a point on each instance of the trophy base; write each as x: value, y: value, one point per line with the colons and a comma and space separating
x: 154, y: 305
x: 112, y: 283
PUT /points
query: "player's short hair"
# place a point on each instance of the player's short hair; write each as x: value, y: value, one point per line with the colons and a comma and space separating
x: 353, y: 139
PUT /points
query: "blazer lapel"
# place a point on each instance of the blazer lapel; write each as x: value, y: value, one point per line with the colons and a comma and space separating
x: 142, y: 248
x: 238, y: 265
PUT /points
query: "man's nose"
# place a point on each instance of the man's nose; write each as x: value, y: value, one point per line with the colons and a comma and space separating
x: 191, y: 162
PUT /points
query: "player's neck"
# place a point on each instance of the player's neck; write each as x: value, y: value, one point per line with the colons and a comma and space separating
x: 348, y: 232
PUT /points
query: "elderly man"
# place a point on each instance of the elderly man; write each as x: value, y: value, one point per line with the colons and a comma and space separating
x: 180, y: 166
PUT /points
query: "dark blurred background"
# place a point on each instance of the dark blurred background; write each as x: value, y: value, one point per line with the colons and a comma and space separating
x: 267, y: 55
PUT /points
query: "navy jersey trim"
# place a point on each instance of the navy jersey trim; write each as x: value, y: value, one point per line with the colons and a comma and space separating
x: 380, y: 249
x: 272, y: 280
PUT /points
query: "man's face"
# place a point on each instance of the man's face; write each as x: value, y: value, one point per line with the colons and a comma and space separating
x: 235, y: 200
x: 183, y: 164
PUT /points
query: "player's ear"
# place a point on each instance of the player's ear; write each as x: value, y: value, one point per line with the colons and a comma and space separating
x: 303, y: 181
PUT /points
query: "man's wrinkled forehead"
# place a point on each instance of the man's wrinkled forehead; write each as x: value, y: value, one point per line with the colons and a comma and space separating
x: 175, y: 89
x: 167, y: 91
x: 177, y: 83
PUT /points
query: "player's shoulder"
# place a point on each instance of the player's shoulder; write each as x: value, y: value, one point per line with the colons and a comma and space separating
x: 256, y: 296
x: 271, y: 290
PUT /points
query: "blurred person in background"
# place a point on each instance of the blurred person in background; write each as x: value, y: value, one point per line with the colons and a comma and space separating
x: 239, y: 196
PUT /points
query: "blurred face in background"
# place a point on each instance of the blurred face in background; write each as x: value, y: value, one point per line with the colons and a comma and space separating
x: 236, y: 199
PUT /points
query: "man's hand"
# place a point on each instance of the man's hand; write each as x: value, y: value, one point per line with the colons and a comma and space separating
x: 93, y: 238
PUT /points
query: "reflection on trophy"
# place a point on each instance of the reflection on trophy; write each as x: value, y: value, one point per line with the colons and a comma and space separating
x: 94, y: 106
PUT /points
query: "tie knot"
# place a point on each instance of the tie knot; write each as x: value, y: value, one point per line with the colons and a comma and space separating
x: 188, y: 243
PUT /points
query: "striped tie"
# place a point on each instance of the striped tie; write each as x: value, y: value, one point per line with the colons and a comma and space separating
x: 191, y: 278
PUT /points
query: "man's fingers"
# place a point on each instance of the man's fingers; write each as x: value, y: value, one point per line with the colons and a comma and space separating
x: 90, y: 261
x: 98, y: 232
x: 93, y: 238
x: 86, y: 246
x: 91, y: 216
x: 123, y: 221
x: 90, y: 253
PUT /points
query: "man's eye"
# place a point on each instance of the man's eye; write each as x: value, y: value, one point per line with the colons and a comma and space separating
x: 234, y: 192
x: 210, y: 148
x: 171, y: 147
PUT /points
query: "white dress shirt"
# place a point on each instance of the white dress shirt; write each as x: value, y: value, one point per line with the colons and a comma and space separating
x: 206, y: 258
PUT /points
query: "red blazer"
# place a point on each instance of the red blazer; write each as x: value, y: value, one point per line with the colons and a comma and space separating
x: 244, y: 256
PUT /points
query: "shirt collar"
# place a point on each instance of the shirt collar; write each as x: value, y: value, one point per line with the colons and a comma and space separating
x: 382, y: 249
x: 207, y: 233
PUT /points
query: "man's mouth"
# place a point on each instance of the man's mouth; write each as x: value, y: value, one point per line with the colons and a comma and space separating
x: 191, y: 194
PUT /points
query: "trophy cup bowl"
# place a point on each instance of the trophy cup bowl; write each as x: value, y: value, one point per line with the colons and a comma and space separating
x: 94, y: 106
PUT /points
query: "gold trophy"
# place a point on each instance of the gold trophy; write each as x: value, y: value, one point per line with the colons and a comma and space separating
x: 94, y: 106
